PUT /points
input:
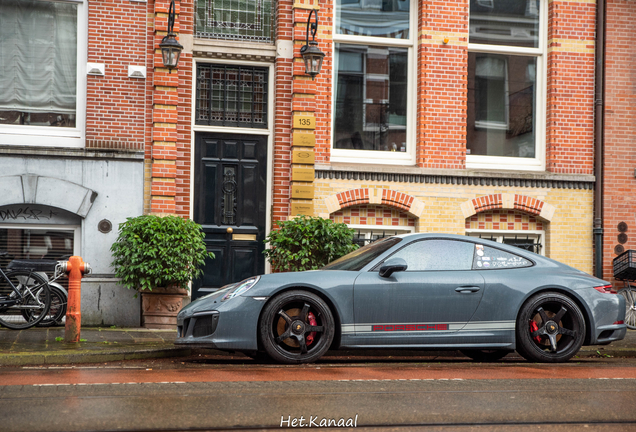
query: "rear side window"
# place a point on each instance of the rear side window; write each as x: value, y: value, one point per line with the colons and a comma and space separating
x: 489, y: 258
x: 437, y: 254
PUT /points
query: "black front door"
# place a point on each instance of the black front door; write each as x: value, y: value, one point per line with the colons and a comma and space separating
x: 230, y: 181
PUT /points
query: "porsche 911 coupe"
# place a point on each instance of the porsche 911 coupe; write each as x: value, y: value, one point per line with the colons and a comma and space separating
x: 413, y: 291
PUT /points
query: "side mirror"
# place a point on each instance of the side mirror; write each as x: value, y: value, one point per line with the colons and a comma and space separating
x: 391, y: 266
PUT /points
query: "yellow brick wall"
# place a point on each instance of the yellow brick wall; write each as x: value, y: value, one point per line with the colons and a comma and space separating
x: 568, y: 236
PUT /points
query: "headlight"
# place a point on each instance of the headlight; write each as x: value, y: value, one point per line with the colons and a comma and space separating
x: 221, y: 290
x: 241, y: 288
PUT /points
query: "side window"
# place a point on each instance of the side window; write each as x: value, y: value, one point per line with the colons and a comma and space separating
x: 429, y: 255
x: 488, y: 258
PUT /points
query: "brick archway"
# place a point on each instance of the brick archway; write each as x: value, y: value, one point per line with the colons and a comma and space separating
x: 523, y: 203
x: 387, y: 197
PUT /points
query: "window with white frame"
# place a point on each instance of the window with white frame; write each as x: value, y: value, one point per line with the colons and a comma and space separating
x: 373, y: 61
x: 41, y: 87
x: 506, y: 84
x: 532, y: 241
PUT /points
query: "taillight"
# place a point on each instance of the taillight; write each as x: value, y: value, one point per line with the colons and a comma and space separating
x: 619, y: 322
x: 606, y: 289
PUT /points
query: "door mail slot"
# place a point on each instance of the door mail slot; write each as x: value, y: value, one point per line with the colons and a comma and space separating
x: 245, y: 237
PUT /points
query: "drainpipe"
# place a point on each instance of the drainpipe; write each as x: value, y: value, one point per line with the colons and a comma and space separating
x: 599, y: 141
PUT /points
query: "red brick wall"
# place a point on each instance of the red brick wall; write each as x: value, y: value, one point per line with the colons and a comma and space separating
x: 442, y: 84
x: 184, y: 107
x: 116, y: 105
x: 283, y: 72
x: 570, y: 91
x: 619, y: 201
x: 169, y: 147
x: 324, y: 81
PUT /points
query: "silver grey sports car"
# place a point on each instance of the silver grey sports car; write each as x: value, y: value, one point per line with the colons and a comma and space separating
x: 415, y: 291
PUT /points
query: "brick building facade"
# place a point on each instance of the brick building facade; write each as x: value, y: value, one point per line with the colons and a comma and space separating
x: 470, y: 117
x: 619, y: 204
x: 423, y: 111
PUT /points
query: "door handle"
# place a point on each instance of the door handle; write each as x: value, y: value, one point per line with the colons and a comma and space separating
x: 467, y: 289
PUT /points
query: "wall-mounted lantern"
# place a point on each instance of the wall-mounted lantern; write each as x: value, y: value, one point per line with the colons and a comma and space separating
x: 312, y: 56
x: 170, y: 48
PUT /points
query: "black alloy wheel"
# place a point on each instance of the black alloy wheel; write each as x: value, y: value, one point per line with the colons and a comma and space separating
x: 296, y: 327
x: 485, y: 355
x: 550, y: 328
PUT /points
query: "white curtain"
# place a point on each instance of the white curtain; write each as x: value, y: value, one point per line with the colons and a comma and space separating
x: 38, y: 56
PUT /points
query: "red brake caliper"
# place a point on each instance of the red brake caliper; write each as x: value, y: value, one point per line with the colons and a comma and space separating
x: 533, y: 328
x: 312, y: 321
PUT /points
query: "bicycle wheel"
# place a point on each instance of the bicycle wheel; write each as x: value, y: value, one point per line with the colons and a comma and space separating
x: 630, y: 306
x: 30, y: 306
x: 57, y: 311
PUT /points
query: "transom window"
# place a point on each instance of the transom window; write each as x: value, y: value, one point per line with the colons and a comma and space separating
x: 241, y: 20
x: 506, y: 84
x: 229, y: 95
x: 373, y: 58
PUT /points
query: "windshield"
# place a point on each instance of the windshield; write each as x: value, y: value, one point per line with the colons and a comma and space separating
x: 359, y: 258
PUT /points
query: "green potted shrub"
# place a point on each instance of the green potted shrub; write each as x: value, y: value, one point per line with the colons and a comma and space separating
x: 159, y: 256
x: 308, y: 243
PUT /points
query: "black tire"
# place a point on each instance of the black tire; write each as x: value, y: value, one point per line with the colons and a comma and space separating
x: 630, y: 306
x: 36, y: 300
x: 285, y: 330
x: 485, y: 355
x: 550, y: 328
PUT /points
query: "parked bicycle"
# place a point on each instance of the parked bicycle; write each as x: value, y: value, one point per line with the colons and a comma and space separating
x: 25, y: 297
x: 59, y: 296
x: 625, y: 270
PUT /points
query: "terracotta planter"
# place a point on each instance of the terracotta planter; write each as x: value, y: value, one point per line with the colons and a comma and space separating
x: 159, y: 307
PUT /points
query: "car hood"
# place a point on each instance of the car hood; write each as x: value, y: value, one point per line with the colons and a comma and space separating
x: 322, y: 280
x: 268, y: 285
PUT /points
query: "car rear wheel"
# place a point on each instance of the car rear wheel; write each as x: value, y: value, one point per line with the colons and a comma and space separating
x: 550, y: 328
x: 296, y: 327
x: 485, y: 355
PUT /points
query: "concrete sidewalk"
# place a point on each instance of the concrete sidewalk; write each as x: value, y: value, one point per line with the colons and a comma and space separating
x: 36, y: 345
x: 42, y: 346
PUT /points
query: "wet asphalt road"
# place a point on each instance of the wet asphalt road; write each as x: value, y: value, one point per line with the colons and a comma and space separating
x: 412, y: 394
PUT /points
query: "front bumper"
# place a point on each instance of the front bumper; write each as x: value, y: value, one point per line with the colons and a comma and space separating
x: 232, y: 326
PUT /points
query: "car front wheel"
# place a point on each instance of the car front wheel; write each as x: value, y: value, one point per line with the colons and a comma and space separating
x: 550, y: 328
x: 296, y: 327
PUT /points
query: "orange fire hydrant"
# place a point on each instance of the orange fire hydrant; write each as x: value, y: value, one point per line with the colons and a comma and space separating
x: 75, y: 268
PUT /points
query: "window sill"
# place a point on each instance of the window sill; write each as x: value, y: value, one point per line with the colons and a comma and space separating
x: 70, y: 152
x: 372, y: 157
x: 41, y: 137
x: 504, y: 163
